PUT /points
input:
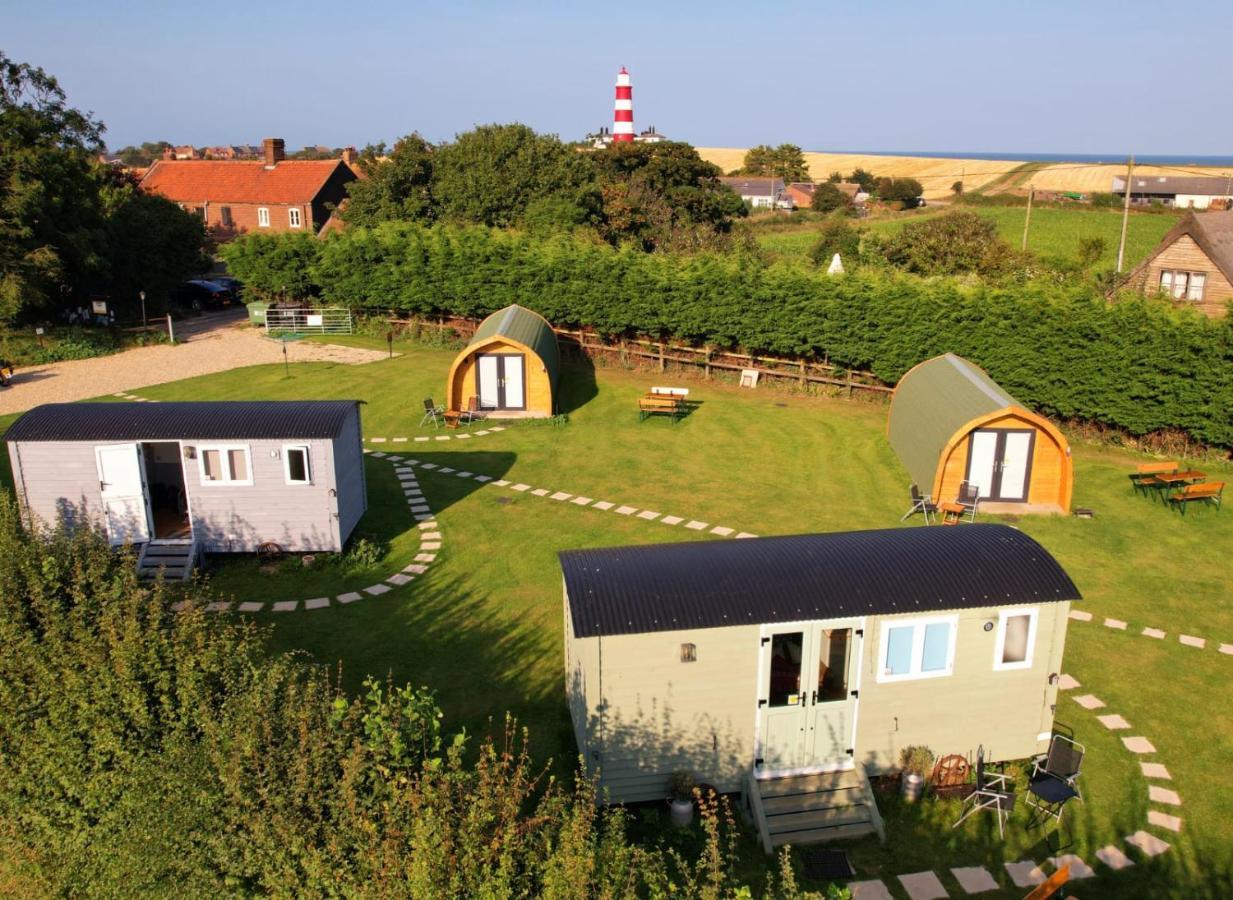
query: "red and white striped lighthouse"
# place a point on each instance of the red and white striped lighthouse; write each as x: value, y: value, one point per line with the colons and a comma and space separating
x: 623, y: 114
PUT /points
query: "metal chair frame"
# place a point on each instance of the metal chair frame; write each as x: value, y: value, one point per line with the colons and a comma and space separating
x: 990, y: 793
x: 432, y: 412
x: 1057, y: 772
x: 921, y: 503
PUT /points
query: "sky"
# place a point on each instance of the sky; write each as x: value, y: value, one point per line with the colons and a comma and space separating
x: 1083, y: 76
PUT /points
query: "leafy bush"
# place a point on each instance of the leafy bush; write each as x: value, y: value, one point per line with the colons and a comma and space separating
x: 836, y: 236
x: 828, y: 198
x: 958, y: 243
x: 273, y: 266
x: 916, y: 760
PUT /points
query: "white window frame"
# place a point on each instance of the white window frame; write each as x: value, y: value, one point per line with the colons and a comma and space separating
x: 224, y: 449
x: 308, y: 463
x: 263, y: 217
x: 1033, y: 615
x: 1190, y: 293
x: 294, y: 219
x: 918, y: 647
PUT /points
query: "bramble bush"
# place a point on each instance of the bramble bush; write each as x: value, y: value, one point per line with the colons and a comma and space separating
x: 1061, y: 348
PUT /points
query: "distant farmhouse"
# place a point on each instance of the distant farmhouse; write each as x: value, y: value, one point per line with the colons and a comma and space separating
x: 760, y: 193
x: 801, y: 192
x: 603, y: 138
x: 272, y: 193
x: 1184, y: 192
x: 1193, y: 264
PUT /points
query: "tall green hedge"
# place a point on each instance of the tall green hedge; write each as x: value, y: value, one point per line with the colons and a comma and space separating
x: 1136, y: 364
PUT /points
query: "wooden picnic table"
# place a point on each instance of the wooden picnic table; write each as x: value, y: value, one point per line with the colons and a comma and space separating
x: 952, y: 512
x: 652, y: 403
x: 1188, y: 477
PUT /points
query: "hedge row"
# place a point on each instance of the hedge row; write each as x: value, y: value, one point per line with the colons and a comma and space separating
x: 1135, y: 365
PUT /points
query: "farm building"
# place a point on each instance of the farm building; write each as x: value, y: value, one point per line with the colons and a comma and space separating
x: 950, y: 423
x: 760, y: 193
x: 1192, y: 264
x: 510, y: 367
x: 753, y: 663
x: 178, y: 477
x: 1182, y: 191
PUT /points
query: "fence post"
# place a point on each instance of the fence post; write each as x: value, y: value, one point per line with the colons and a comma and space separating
x: 849, y: 384
x: 707, y: 364
x: 803, y: 381
x: 661, y: 356
x: 171, y: 332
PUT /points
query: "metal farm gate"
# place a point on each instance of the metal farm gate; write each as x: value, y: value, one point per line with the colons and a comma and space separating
x: 324, y: 320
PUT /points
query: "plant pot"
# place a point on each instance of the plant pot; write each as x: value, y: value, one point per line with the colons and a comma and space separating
x: 680, y: 812
x: 913, y: 786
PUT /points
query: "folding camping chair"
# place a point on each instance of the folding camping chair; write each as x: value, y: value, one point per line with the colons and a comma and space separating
x: 1055, y: 775
x: 969, y: 498
x: 992, y: 791
x: 432, y: 413
x: 921, y: 503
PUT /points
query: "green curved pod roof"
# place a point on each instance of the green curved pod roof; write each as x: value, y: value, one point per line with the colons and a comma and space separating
x: 526, y: 327
x: 932, y: 402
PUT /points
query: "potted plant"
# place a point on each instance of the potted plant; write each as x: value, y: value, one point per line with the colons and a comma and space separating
x: 916, y: 764
x: 681, y: 798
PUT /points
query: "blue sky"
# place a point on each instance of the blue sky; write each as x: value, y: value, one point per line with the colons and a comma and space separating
x: 1084, y: 76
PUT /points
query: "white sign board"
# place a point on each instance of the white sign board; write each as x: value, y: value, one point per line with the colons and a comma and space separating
x: 314, y: 320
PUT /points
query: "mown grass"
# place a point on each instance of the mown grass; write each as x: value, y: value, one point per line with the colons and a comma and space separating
x: 484, y: 627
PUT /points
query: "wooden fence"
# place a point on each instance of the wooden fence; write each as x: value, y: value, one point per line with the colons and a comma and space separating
x: 660, y: 353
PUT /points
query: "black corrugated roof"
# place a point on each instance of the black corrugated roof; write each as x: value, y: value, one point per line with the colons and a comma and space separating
x: 711, y: 584
x: 211, y: 420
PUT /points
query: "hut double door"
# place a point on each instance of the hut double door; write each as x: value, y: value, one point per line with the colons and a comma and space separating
x: 807, y: 697
x: 1000, y: 463
x: 501, y: 381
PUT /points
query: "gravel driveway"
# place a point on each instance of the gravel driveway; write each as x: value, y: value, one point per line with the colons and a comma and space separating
x: 213, y: 343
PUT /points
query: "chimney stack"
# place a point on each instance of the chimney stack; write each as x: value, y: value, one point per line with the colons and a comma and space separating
x: 349, y: 156
x: 274, y: 151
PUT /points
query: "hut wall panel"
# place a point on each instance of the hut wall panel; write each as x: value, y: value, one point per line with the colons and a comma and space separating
x: 538, y: 386
x: 1049, y: 465
x: 1003, y: 711
x: 660, y: 714
x: 352, y: 499
x: 582, y: 686
x: 59, y: 480
x: 1185, y: 254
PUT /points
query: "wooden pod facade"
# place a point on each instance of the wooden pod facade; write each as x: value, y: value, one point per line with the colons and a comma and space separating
x: 950, y: 422
x: 510, y: 366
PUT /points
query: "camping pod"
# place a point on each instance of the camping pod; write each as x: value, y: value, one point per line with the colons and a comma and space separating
x: 510, y: 367
x: 950, y: 423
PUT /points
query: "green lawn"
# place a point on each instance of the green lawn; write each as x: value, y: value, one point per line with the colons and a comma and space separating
x: 483, y: 627
x: 1054, y: 233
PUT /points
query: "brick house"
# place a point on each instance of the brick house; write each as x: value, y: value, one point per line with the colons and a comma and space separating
x: 1193, y: 264
x: 269, y: 194
x: 801, y: 192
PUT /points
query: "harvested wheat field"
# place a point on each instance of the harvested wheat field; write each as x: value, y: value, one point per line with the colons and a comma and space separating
x: 994, y: 175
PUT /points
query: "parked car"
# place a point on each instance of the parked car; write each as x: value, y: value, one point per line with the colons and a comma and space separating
x: 232, y: 284
x: 200, y: 294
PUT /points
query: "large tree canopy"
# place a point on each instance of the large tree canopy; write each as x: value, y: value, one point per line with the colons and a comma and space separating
x: 785, y: 161
x: 397, y: 187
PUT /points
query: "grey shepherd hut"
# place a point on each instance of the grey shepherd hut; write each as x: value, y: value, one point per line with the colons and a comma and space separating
x: 222, y: 476
x: 802, y: 664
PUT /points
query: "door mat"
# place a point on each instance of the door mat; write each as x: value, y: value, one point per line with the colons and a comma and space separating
x: 826, y: 865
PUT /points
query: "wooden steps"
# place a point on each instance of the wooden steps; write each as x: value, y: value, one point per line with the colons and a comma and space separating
x: 174, y: 562
x: 806, y: 809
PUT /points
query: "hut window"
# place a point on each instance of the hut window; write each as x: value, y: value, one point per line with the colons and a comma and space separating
x: 296, y: 464
x: 833, y: 664
x: 225, y: 465
x: 917, y: 648
x: 689, y: 652
x: 1016, y: 639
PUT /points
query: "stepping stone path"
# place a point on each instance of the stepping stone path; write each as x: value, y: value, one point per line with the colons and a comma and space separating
x: 1154, y: 633
x: 1191, y: 641
x: 923, y: 886
x: 1163, y: 820
x: 1115, y: 623
x: 1158, y: 794
x: 1159, y: 634
x: 1025, y: 874
x: 1148, y: 843
x: 1088, y: 701
x: 1113, y: 857
x: 974, y: 879
x: 1155, y: 770
x: 1078, y: 868
x: 1113, y: 722
x: 1138, y: 745
x: 869, y: 890
x: 1066, y: 683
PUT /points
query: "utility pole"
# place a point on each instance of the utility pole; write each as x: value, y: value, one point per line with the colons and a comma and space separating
x: 1027, y: 220
x: 1121, y: 244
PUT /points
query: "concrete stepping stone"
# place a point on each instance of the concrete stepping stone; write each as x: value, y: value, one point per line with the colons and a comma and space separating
x: 424, y: 526
x: 285, y: 605
x: 422, y: 439
x: 399, y: 579
x: 696, y: 525
x: 1148, y: 843
x: 560, y: 495
x: 422, y: 517
x: 428, y: 465
x: 1138, y: 745
x: 400, y: 440
x: 1113, y: 722
x: 1025, y: 874
x: 420, y: 508
x: 377, y: 453
x: 1117, y: 624
x: 1078, y: 868
x: 1227, y: 649
x: 501, y: 483
x: 497, y: 428
x: 1192, y: 641
x: 1155, y: 770
x: 430, y: 545
x: 181, y: 605
x: 648, y: 515
x: 974, y: 879
x: 445, y: 470
x: 463, y: 474
x: 676, y: 520
x: 602, y: 504
x: 425, y: 557
x: 350, y: 597
x: 540, y: 492
x: 1080, y: 615
x: 483, y: 478
x: 1158, y: 794
x: 377, y: 440
x: 218, y: 606
x: 317, y: 603
x: 377, y: 589
x: 581, y: 501
x: 1154, y: 633
x: 923, y: 886
x: 1089, y: 701
x: 415, y: 568
x: 462, y: 437
x: 430, y: 536
x: 415, y: 493
x: 721, y: 530
x: 1163, y: 820
x: 869, y: 890
x: 1114, y: 858
x: 1066, y: 683
x: 626, y: 510
x: 250, y: 606
x: 481, y: 433
x: 444, y: 437
x: 745, y: 534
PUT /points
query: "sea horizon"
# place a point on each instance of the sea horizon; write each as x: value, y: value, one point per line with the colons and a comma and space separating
x: 1145, y: 159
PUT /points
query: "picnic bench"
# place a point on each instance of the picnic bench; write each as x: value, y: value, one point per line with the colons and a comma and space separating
x: 1146, y: 477
x: 1205, y: 492
x: 663, y: 401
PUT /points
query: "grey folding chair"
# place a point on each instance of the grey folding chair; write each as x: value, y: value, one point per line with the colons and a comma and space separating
x: 432, y: 413
x: 969, y: 498
x: 993, y: 792
x: 921, y: 503
x: 1055, y: 777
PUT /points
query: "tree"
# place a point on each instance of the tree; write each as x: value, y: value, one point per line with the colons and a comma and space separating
x: 902, y: 190
x: 957, y: 243
x: 827, y: 197
x: 316, y: 152
x: 867, y: 180
x: 836, y: 236
x: 1090, y: 250
x: 490, y: 175
x: 139, y: 157
x: 835, y: 177
x: 274, y: 265
x: 394, y: 188
x: 785, y: 161
x: 957, y: 188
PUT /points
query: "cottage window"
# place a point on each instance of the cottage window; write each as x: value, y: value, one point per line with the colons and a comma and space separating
x: 224, y: 216
x: 1198, y: 281
x: 225, y: 465
x: 1016, y: 639
x: 293, y: 217
x: 1183, y: 285
x: 918, y: 648
x: 296, y: 465
x: 263, y: 217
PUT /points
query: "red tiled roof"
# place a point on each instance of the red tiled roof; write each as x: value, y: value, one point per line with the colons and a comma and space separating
x: 239, y: 181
